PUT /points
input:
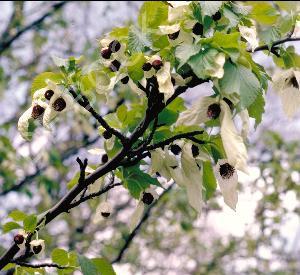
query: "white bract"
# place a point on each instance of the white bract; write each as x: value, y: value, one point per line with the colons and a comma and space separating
x: 228, y: 180
x: 286, y: 84
x: 250, y: 35
x: 37, y: 246
x: 296, y: 32
x: 218, y: 70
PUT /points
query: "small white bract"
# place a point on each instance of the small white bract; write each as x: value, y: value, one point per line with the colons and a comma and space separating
x: 250, y: 35
x: 37, y: 246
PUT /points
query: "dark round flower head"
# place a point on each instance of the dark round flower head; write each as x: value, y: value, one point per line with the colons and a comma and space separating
x: 174, y: 35
x: 37, y: 249
x: 105, y: 214
x: 104, y: 158
x: 37, y: 110
x: 294, y: 82
x: 114, y: 46
x: 147, y: 67
x: 59, y: 104
x: 226, y: 170
x: 147, y: 198
x: 19, y: 239
x: 107, y: 135
x: 195, y: 150
x: 157, y: 64
x: 198, y: 29
x: 217, y: 16
x: 173, y: 81
x: 125, y: 79
x: 106, y: 53
x: 213, y: 111
x: 158, y: 174
x: 175, y: 149
x: 115, y: 65
x: 49, y: 94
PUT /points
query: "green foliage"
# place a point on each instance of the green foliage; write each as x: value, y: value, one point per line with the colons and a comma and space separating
x: 30, y: 223
x: 7, y: 227
x: 60, y: 256
x: 39, y: 81
x: 152, y: 14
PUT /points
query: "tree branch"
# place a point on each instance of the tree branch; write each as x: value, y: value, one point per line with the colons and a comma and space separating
x: 275, y: 43
x: 84, y: 102
x: 134, y: 233
x: 39, y: 265
x: 7, y: 42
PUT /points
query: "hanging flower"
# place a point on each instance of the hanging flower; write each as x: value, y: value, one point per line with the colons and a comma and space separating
x: 250, y: 35
x: 35, y: 112
x: 20, y: 239
x: 146, y: 199
x: 59, y: 103
x: 244, y: 115
x: 286, y: 84
x: 228, y: 180
x: 37, y: 246
x: 105, y: 209
x: 208, y: 108
x: 203, y: 110
x: 99, y: 152
x: 176, y: 35
x: 164, y: 81
x: 177, y: 10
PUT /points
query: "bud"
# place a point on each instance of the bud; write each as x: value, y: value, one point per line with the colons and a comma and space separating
x: 104, y: 158
x: 49, y: 94
x: 115, y: 65
x: 195, y: 150
x: 147, y: 198
x: 107, y: 135
x: 157, y: 64
x: 198, y: 29
x: 174, y: 35
x: 175, y: 149
x: 213, y: 111
x: 114, y: 46
x: 37, y: 110
x: 125, y: 79
x: 59, y: 104
x: 147, y: 67
x: 217, y: 16
x: 106, y: 53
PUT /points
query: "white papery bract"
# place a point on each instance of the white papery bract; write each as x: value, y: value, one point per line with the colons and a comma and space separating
x: 139, y: 211
x: 164, y: 81
x: 177, y: 10
x: 218, y: 70
x: 296, y: 32
x: 244, y: 115
x: 228, y: 181
x: 197, y: 114
x: 40, y: 244
x: 250, y: 35
x: 233, y: 143
x: 105, y: 209
x: 286, y: 84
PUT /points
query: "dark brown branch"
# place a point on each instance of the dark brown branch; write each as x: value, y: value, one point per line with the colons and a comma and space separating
x: 84, y: 102
x: 39, y: 265
x: 272, y: 48
x: 7, y: 42
x: 134, y: 233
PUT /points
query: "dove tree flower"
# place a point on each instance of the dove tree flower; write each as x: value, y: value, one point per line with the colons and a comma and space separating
x: 286, y: 84
x: 37, y: 246
x: 250, y: 35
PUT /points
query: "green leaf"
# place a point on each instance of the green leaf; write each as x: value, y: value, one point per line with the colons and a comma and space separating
x: 135, y: 71
x: 103, y: 266
x: 270, y: 35
x: 170, y: 114
x: 209, y: 180
x: 210, y: 7
x: 122, y: 112
x: 138, y: 41
x: 152, y: 14
x: 232, y: 17
x: 224, y: 40
x: 10, y: 226
x: 17, y: 215
x: 39, y: 81
x: 184, y: 51
x: 30, y: 223
x: 60, y: 256
x: 263, y: 12
x: 136, y: 181
x: 73, y: 181
x: 202, y: 62
x: 119, y: 32
x: 239, y: 79
x: 257, y: 108
x: 87, y: 266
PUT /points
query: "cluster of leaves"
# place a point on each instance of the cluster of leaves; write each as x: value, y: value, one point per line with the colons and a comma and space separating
x: 199, y: 40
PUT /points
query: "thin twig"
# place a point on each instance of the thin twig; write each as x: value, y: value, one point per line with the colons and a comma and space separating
x: 39, y: 265
x: 134, y: 233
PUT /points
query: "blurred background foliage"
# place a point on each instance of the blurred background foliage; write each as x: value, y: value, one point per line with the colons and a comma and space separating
x: 262, y: 238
